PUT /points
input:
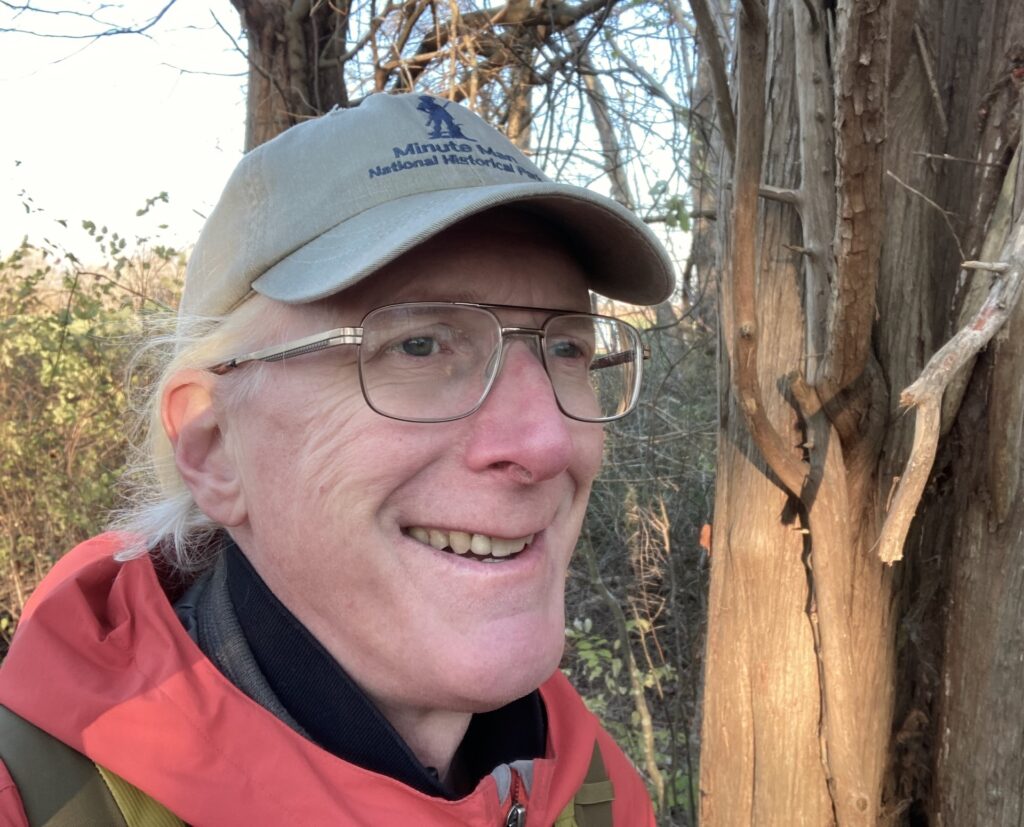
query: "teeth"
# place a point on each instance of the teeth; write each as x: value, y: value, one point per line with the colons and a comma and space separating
x: 503, y: 548
x: 462, y: 542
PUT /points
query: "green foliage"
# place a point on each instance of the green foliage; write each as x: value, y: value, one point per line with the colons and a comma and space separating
x: 66, y: 338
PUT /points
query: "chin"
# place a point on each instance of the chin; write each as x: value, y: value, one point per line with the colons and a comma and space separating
x: 502, y: 673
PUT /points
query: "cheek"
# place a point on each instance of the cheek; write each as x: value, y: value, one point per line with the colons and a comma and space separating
x: 588, y: 443
x: 292, y: 443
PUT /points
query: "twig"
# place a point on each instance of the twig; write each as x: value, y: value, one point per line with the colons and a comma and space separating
x: 926, y: 62
x: 945, y: 213
x: 786, y: 196
x: 244, y: 53
x: 112, y: 31
x: 947, y: 157
x: 994, y: 266
x: 925, y: 394
x: 653, y: 85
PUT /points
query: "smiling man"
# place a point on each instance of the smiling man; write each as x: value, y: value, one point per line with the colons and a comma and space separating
x: 340, y: 598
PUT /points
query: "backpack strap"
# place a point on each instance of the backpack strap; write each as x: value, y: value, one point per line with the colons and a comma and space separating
x: 60, y: 787
x: 137, y: 808
x: 592, y: 804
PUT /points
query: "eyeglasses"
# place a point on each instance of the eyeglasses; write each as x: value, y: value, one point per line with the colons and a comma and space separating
x: 437, y: 361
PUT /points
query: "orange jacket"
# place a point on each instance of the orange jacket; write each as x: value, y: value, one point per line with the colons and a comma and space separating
x: 102, y: 663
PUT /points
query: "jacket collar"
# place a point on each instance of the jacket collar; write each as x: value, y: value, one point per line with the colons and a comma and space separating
x: 270, y: 655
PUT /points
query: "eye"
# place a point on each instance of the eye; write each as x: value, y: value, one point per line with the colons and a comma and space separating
x: 419, y: 346
x: 566, y: 349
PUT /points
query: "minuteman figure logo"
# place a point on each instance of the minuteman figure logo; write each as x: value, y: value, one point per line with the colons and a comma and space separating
x: 439, y: 120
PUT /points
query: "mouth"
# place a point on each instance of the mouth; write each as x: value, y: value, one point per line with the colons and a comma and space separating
x: 481, y: 547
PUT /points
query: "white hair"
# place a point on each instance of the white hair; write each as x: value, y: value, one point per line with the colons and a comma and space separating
x: 158, y: 514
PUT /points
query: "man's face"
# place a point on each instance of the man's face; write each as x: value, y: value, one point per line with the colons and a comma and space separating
x: 335, y: 494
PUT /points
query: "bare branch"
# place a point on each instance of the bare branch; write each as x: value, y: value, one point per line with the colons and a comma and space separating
x: 925, y: 394
x: 708, y: 32
x: 926, y: 199
x: 815, y: 108
x: 786, y: 196
x: 109, y: 31
x: 862, y: 78
x: 947, y: 157
x: 753, y: 46
x: 929, y: 71
x: 994, y: 266
x: 653, y: 85
x: 611, y: 149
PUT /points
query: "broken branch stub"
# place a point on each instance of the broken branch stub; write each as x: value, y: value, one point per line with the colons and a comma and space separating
x: 925, y: 394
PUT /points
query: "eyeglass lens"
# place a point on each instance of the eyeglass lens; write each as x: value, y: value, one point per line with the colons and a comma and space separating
x: 432, y: 362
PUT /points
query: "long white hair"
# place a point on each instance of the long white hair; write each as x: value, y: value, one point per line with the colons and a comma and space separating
x: 158, y: 514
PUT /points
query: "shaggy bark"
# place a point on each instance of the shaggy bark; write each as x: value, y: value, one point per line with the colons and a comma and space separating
x: 840, y: 690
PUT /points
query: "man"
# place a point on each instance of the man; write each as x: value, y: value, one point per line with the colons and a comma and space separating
x: 340, y: 601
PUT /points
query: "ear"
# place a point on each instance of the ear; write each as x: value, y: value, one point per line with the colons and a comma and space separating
x: 200, y: 451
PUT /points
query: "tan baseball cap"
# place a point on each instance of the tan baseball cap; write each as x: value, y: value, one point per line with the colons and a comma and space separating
x: 330, y: 201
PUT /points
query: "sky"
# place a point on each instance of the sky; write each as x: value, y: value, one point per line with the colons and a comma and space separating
x: 90, y: 130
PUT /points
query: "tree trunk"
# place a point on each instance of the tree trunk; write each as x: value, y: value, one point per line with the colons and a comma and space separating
x: 834, y: 296
x: 294, y: 67
x: 979, y: 737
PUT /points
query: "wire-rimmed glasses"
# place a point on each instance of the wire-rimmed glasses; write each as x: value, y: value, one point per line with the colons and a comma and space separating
x: 437, y: 361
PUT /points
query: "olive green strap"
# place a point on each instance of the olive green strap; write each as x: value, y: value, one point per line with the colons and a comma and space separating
x: 592, y: 804
x: 59, y: 787
x: 137, y: 808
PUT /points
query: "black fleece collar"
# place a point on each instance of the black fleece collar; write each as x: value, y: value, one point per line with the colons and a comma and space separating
x: 338, y: 716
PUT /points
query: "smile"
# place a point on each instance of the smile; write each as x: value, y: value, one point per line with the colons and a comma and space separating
x: 480, y: 546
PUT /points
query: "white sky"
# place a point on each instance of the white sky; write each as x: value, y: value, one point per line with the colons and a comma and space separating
x: 92, y: 131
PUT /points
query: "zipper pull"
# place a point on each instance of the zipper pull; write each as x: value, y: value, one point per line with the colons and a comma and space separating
x: 516, y: 816
x: 517, y: 812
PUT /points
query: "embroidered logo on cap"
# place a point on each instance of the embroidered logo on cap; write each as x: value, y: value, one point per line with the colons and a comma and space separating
x: 446, y: 145
x: 439, y: 120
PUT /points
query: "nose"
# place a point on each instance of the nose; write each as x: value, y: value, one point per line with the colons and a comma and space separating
x: 519, y: 430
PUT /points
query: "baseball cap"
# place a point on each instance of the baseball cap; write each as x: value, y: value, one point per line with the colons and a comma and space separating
x: 330, y: 201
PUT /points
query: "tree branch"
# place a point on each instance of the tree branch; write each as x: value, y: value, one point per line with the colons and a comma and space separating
x: 753, y: 47
x: 708, y: 33
x: 110, y: 31
x: 926, y: 395
x: 815, y: 108
x: 931, y: 203
x: 613, y: 162
x: 781, y: 194
x: 929, y: 72
x: 862, y: 58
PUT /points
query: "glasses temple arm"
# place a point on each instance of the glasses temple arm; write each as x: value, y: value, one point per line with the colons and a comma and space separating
x: 610, y: 360
x: 309, y: 344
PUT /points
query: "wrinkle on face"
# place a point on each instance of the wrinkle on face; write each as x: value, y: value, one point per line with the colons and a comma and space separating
x: 333, y: 486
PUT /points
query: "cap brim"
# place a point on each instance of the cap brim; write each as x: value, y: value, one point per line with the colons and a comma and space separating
x: 623, y: 258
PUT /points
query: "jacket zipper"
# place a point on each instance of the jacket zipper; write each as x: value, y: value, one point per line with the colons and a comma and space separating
x: 516, y: 816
